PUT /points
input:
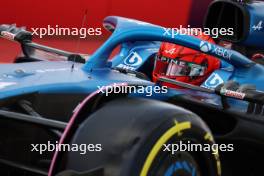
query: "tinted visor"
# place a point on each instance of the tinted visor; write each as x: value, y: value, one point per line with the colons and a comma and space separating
x: 177, y: 67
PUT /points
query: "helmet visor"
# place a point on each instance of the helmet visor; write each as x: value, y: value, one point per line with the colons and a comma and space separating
x: 177, y: 67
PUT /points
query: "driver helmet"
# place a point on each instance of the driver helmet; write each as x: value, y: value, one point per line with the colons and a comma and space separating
x: 184, y: 64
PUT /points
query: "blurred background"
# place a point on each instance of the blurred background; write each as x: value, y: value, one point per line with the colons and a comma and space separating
x: 37, y: 14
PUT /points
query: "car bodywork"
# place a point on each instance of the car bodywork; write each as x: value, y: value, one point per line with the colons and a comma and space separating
x: 55, y: 89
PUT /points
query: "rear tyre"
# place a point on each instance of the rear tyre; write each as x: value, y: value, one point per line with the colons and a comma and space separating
x: 137, y: 137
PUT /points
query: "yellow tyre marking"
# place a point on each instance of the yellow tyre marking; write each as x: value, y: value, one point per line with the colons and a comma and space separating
x: 162, y: 140
x: 209, y: 136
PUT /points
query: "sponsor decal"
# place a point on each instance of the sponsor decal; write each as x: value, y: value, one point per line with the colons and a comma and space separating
x: 258, y: 26
x: 171, y: 51
x: 230, y: 93
x: 8, y: 35
x: 205, y: 46
x: 213, y: 81
x: 133, y: 59
x: 219, y: 51
x: 123, y: 66
x: 224, y: 53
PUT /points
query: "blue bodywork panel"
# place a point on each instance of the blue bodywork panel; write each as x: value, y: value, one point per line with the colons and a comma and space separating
x: 256, y: 25
x: 56, y: 77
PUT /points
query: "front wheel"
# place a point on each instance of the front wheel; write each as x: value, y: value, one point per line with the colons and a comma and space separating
x: 139, y: 137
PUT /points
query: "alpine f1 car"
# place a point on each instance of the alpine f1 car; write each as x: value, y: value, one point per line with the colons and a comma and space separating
x: 70, y: 102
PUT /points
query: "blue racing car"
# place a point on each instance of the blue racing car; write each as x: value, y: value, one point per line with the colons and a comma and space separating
x: 68, y: 114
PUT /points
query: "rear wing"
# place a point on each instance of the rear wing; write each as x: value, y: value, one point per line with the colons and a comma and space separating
x: 24, y: 37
